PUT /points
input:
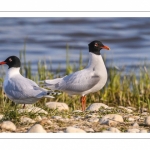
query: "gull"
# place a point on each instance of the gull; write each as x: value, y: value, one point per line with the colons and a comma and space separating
x: 19, y: 89
x: 89, y: 80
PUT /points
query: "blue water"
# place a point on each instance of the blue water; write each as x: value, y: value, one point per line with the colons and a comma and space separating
x: 46, y: 38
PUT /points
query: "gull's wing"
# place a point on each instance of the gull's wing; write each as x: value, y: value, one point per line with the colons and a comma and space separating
x: 79, y: 81
x: 19, y: 87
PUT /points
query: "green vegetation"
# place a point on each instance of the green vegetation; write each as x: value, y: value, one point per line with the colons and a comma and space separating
x: 132, y: 89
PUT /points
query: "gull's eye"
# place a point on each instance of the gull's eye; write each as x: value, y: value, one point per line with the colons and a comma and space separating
x: 10, y: 59
x: 96, y: 45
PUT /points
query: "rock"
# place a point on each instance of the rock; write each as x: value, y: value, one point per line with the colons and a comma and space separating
x: 111, y: 119
x: 8, y: 125
x: 60, y: 132
x: 1, y: 117
x: 96, y: 106
x: 33, y: 110
x: 57, y: 105
x: 77, y: 111
x: 38, y: 118
x: 132, y: 108
x: 114, y: 130
x: 131, y: 119
x: 147, y: 120
x: 126, y: 109
x: 133, y: 130
x: 143, y: 131
x: 37, y: 128
x: 145, y: 113
x: 74, y: 130
x: 93, y: 120
x: 26, y: 120
x: 57, y: 117
x: 89, y: 130
x: 112, y: 123
x: 135, y: 125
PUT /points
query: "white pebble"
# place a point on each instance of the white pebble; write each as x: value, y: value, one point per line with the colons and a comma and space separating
x: 126, y: 109
x: 8, y: 125
x: 57, y: 105
x: 133, y: 130
x: 1, y: 117
x: 33, y: 110
x: 74, y: 130
x: 135, y: 125
x: 93, y: 120
x: 111, y: 117
x: 96, y: 106
x: 57, y: 117
x: 26, y: 120
x: 143, y: 131
x: 37, y: 128
x: 147, y: 120
x: 114, y: 130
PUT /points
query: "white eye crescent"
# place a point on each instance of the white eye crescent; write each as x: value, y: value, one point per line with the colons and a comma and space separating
x: 96, y: 45
x: 10, y: 59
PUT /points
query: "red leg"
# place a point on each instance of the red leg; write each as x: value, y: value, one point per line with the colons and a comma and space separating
x: 83, y: 102
x: 23, y: 106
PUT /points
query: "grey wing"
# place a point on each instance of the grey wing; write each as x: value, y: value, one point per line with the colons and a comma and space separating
x: 79, y: 81
x: 22, y: 88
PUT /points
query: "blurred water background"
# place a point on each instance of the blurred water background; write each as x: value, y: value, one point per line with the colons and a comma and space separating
x: 47, y: 39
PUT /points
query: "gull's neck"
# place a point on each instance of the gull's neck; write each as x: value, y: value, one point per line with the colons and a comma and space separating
x: 95, y: 61
x: 13, y: 71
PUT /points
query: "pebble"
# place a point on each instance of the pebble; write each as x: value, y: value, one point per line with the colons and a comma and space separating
x: 74, y: 130
x: 37, y: 128
x: 33, y: 110
x: 1, y: 116
x: 111, y: 118
x: 57, y: 105
x: 8, y: 125
x: 93, y: 120
x: 77, y: 111
x: 57, y: 117
x: 114, y: 130
x: 147, y: 120
x: 127, y: 109
x: 26, y: 120
x: 133, y: 130
x: 89, y: 130
x: 131, y: 119
x: 135, y: 125
x: 96, y: 106
x: 143, y: 131
x: 38, y: 118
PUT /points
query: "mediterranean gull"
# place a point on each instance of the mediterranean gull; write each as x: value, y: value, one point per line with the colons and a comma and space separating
x: 89, y: 80
x: 19, y: 89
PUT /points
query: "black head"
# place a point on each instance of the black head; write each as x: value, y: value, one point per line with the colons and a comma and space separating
x: 96, y: 46
x: 12, y: 61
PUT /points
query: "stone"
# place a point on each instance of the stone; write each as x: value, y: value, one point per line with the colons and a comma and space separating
x: 74, y: 130
x: 147, y: 120
x: 1, y: 116
x: 89, y: 130
x: 143, y: 131
x: 38, y: 118
x: 135, y: 125
x: 114, y: 130
x: 131, y: 119
x: 26, y: 120
x: 93, y: 120
x: 33, y: 110
x: 57, y: 105
x: 133, y: 130
x: 8, y: 125
x: 77, y: 111
x: 57, y: 117
x: 96, y: 106
x: 37, y: 128
x: 111, y: 118
x: 126, y: 109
